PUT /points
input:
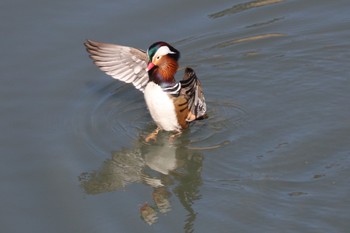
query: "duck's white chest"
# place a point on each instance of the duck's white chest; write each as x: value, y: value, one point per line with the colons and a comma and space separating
x: 161, y: 107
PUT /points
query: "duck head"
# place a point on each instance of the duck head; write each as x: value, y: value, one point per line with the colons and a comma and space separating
x: 163, y: 62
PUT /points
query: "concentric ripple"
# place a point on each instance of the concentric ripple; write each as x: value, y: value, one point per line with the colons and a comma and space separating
x: 111, y: 117
x: 114, y: 116
x: 225, y: 116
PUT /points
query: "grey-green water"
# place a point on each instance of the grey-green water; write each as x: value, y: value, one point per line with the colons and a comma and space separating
x: 274, y: 155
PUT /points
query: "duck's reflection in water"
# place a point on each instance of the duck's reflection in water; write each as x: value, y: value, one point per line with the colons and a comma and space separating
x: 169, y: 167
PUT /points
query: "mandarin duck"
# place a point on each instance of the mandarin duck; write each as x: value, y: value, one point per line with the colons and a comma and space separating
x: 172, y: 105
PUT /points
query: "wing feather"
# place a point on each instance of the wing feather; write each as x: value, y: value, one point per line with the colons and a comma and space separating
x: 123, y: 63
x: 191, y: 88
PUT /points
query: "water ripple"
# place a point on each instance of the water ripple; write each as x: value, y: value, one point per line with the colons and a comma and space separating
x: 243, y: 7
x: 114, y: 117
x: 111, y: 119
x: 224, y: 117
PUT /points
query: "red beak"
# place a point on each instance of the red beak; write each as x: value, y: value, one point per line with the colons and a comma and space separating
x: 150, y: 66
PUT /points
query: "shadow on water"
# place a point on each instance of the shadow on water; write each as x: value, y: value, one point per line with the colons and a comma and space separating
x: 169, y: 168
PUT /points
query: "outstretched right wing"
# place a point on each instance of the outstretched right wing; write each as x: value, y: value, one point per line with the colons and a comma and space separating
x: 123, y: 63
x: 191, y: 88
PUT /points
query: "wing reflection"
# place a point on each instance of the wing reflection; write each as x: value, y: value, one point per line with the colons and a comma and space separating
x: 170, y: 168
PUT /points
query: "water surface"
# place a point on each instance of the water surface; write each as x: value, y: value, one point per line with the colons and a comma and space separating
x: 273, y: 156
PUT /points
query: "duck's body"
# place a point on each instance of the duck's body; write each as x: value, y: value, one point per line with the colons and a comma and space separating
x: 171, y: 104
x: 164, y: 116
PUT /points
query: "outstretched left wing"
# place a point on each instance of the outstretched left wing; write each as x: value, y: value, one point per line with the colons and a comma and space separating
x: 123, y: 63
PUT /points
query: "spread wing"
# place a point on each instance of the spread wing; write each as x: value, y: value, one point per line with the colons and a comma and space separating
x: 123, y: 63
x: 191, y: 88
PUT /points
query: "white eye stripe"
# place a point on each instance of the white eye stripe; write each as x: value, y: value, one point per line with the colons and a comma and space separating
x: 163, y: 50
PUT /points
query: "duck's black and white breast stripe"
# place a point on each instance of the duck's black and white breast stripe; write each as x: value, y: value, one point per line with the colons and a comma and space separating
x: 173, y: 90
